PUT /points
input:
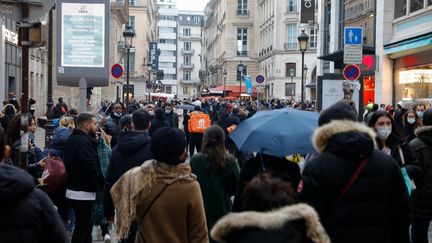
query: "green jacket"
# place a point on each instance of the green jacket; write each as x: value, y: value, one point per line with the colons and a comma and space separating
x: 216, y: 187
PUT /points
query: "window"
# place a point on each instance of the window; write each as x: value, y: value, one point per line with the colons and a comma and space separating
x: 167, y: 41
x: 185, y: 90
x: 242, y: 41
x: 187, y: 46
x: 429, y: 2
x: 313, y: 38
x: 186, y: 32
x: 242, y: 7
x: 168, y: 89
x: 292, y: 6
x: 290, y: 69
x: 291, y: 36
x: 132, y: 3
x: 197, y: 19
x: 131, y: 61
x: 240, y: 73
x: 416, y: 5
x: 187, y: 76
x: 187, y: 60
x: 290, y: 89
x: 131, y: 22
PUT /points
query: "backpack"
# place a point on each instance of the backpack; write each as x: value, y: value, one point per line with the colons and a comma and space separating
x: 198, y: 122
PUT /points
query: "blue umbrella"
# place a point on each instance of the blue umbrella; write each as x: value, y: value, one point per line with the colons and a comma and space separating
x: 277, y: 132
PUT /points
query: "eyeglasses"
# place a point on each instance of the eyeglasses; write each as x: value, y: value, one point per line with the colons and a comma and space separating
x: 384, y: 123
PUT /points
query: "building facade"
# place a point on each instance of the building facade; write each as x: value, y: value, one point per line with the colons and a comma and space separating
x: 10, y: 59
x: 189, y: 52
x: 230, y: 42
x: 143, y: 19
x: 167, y: 44
x: 279, y: 56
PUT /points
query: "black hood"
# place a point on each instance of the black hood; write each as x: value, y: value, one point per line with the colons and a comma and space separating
x: 15, y: 183
x: 345, y: 138
x: 131, y: 141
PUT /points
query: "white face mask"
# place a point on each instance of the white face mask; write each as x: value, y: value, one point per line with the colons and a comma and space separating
x: 420, y: 114
x: 411, y: 120
x: 117, y: 114
x: 167, y: 111
x: 383, y: 132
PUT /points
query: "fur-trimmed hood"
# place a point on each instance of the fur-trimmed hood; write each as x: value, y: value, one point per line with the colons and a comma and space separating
x: 324, y: 134
x: 273, y: 220
x: 423, y: 130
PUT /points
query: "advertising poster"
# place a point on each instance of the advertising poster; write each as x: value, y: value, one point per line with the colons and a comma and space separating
x: 248, y: 83
x: 83, y: 35
x: 333, y: 91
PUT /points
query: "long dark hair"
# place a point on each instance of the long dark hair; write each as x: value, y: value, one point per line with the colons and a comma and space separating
x: 395, y: 137
x: 214, y: 147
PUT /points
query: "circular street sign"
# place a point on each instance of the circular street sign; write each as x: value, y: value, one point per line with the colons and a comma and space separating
x: 260, y: 79
x: 117, y: 70
x: 351, y: 72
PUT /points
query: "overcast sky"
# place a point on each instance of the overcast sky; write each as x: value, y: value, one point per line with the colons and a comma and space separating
x: 195, y: 5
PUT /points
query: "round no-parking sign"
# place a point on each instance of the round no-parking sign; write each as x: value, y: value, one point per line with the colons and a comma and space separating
x: 351, y: 72
x: 117, y: 70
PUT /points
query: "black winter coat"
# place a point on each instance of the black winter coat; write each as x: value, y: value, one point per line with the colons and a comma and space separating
x: 376, y: 208
x: 297, y: 223
x: 132, y: 150
x: 278, y: 167
x: 156, y: 124
x: 421, y: 197
x: 82, y: 163
x: 412, y: 165
x: 27, y: 214
x: 112, y: 128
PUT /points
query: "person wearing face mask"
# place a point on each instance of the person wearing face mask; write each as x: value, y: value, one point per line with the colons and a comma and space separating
x: 112, y: 127
x: 420, y: 108
x: 410, y: 121
x: 171, y: 116
x: 151, y: 109
x: 391, y: 142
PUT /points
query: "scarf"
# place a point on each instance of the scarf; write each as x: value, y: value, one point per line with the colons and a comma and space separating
x: 136, y: 184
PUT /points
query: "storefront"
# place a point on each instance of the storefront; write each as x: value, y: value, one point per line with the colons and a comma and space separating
x: 10, y: 59
x: 412, y: 70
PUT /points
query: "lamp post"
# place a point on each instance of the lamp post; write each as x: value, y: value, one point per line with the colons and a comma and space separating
x: 303, y: 42
x: 49, y: 126
x: 128, y: 34
x: 225, y: 74
x: 291, y: 74
x: 241, y: 68
x: 150, y: 85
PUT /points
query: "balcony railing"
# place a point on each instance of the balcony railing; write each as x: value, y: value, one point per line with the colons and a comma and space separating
x: 290, y: 46
x: 242, y: 12
x: 187, y: 66
x: 188, y: 51
x: 242, y: 53
x: 190, y: 36
x: 189, y: 81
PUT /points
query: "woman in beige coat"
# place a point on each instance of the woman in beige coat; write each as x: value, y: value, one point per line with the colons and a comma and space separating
x: 162, y: 196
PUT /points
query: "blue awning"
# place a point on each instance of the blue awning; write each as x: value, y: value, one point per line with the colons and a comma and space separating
x: 406, y: 45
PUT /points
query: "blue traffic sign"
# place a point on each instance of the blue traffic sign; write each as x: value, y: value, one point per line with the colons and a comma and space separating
x: 353, y: 36
x: 351, y: 72
x: 260, y: 79
x: 117, y: 70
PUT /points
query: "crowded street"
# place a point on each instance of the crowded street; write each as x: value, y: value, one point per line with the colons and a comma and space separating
x: 216, y: 121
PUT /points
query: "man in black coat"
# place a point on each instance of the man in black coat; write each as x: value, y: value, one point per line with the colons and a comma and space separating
x: 27, y: 213
x: 170, y: 116
x: 375, y: 208
x: 132, y: 150
x: 421, y: 197
x: 112, y: 127
x: 84, y: 175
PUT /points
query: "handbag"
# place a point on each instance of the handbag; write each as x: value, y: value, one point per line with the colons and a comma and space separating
x: 350, y: 183
x: 54, y: 172
x: 408, y: 181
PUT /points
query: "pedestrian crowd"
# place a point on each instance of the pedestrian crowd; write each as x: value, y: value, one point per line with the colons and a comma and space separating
x: 169, y: 172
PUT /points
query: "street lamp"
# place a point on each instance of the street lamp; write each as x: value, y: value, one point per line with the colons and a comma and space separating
x: 291, y: 74
x: 128, y: 34
x: 241, y: 68
x: 150, y: 85
x: 225, y: 74
x: 303, y: 42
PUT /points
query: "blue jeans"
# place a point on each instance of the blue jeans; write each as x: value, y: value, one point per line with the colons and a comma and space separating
x: 419, y: 229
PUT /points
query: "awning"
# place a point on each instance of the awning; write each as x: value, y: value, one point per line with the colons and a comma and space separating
x: 232, y: 88
x: 409, y: 44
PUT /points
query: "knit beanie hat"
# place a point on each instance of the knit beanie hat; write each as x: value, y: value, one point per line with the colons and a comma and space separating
x: 427, y: 117
x: 167, y: 144
x: 340, y: 110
